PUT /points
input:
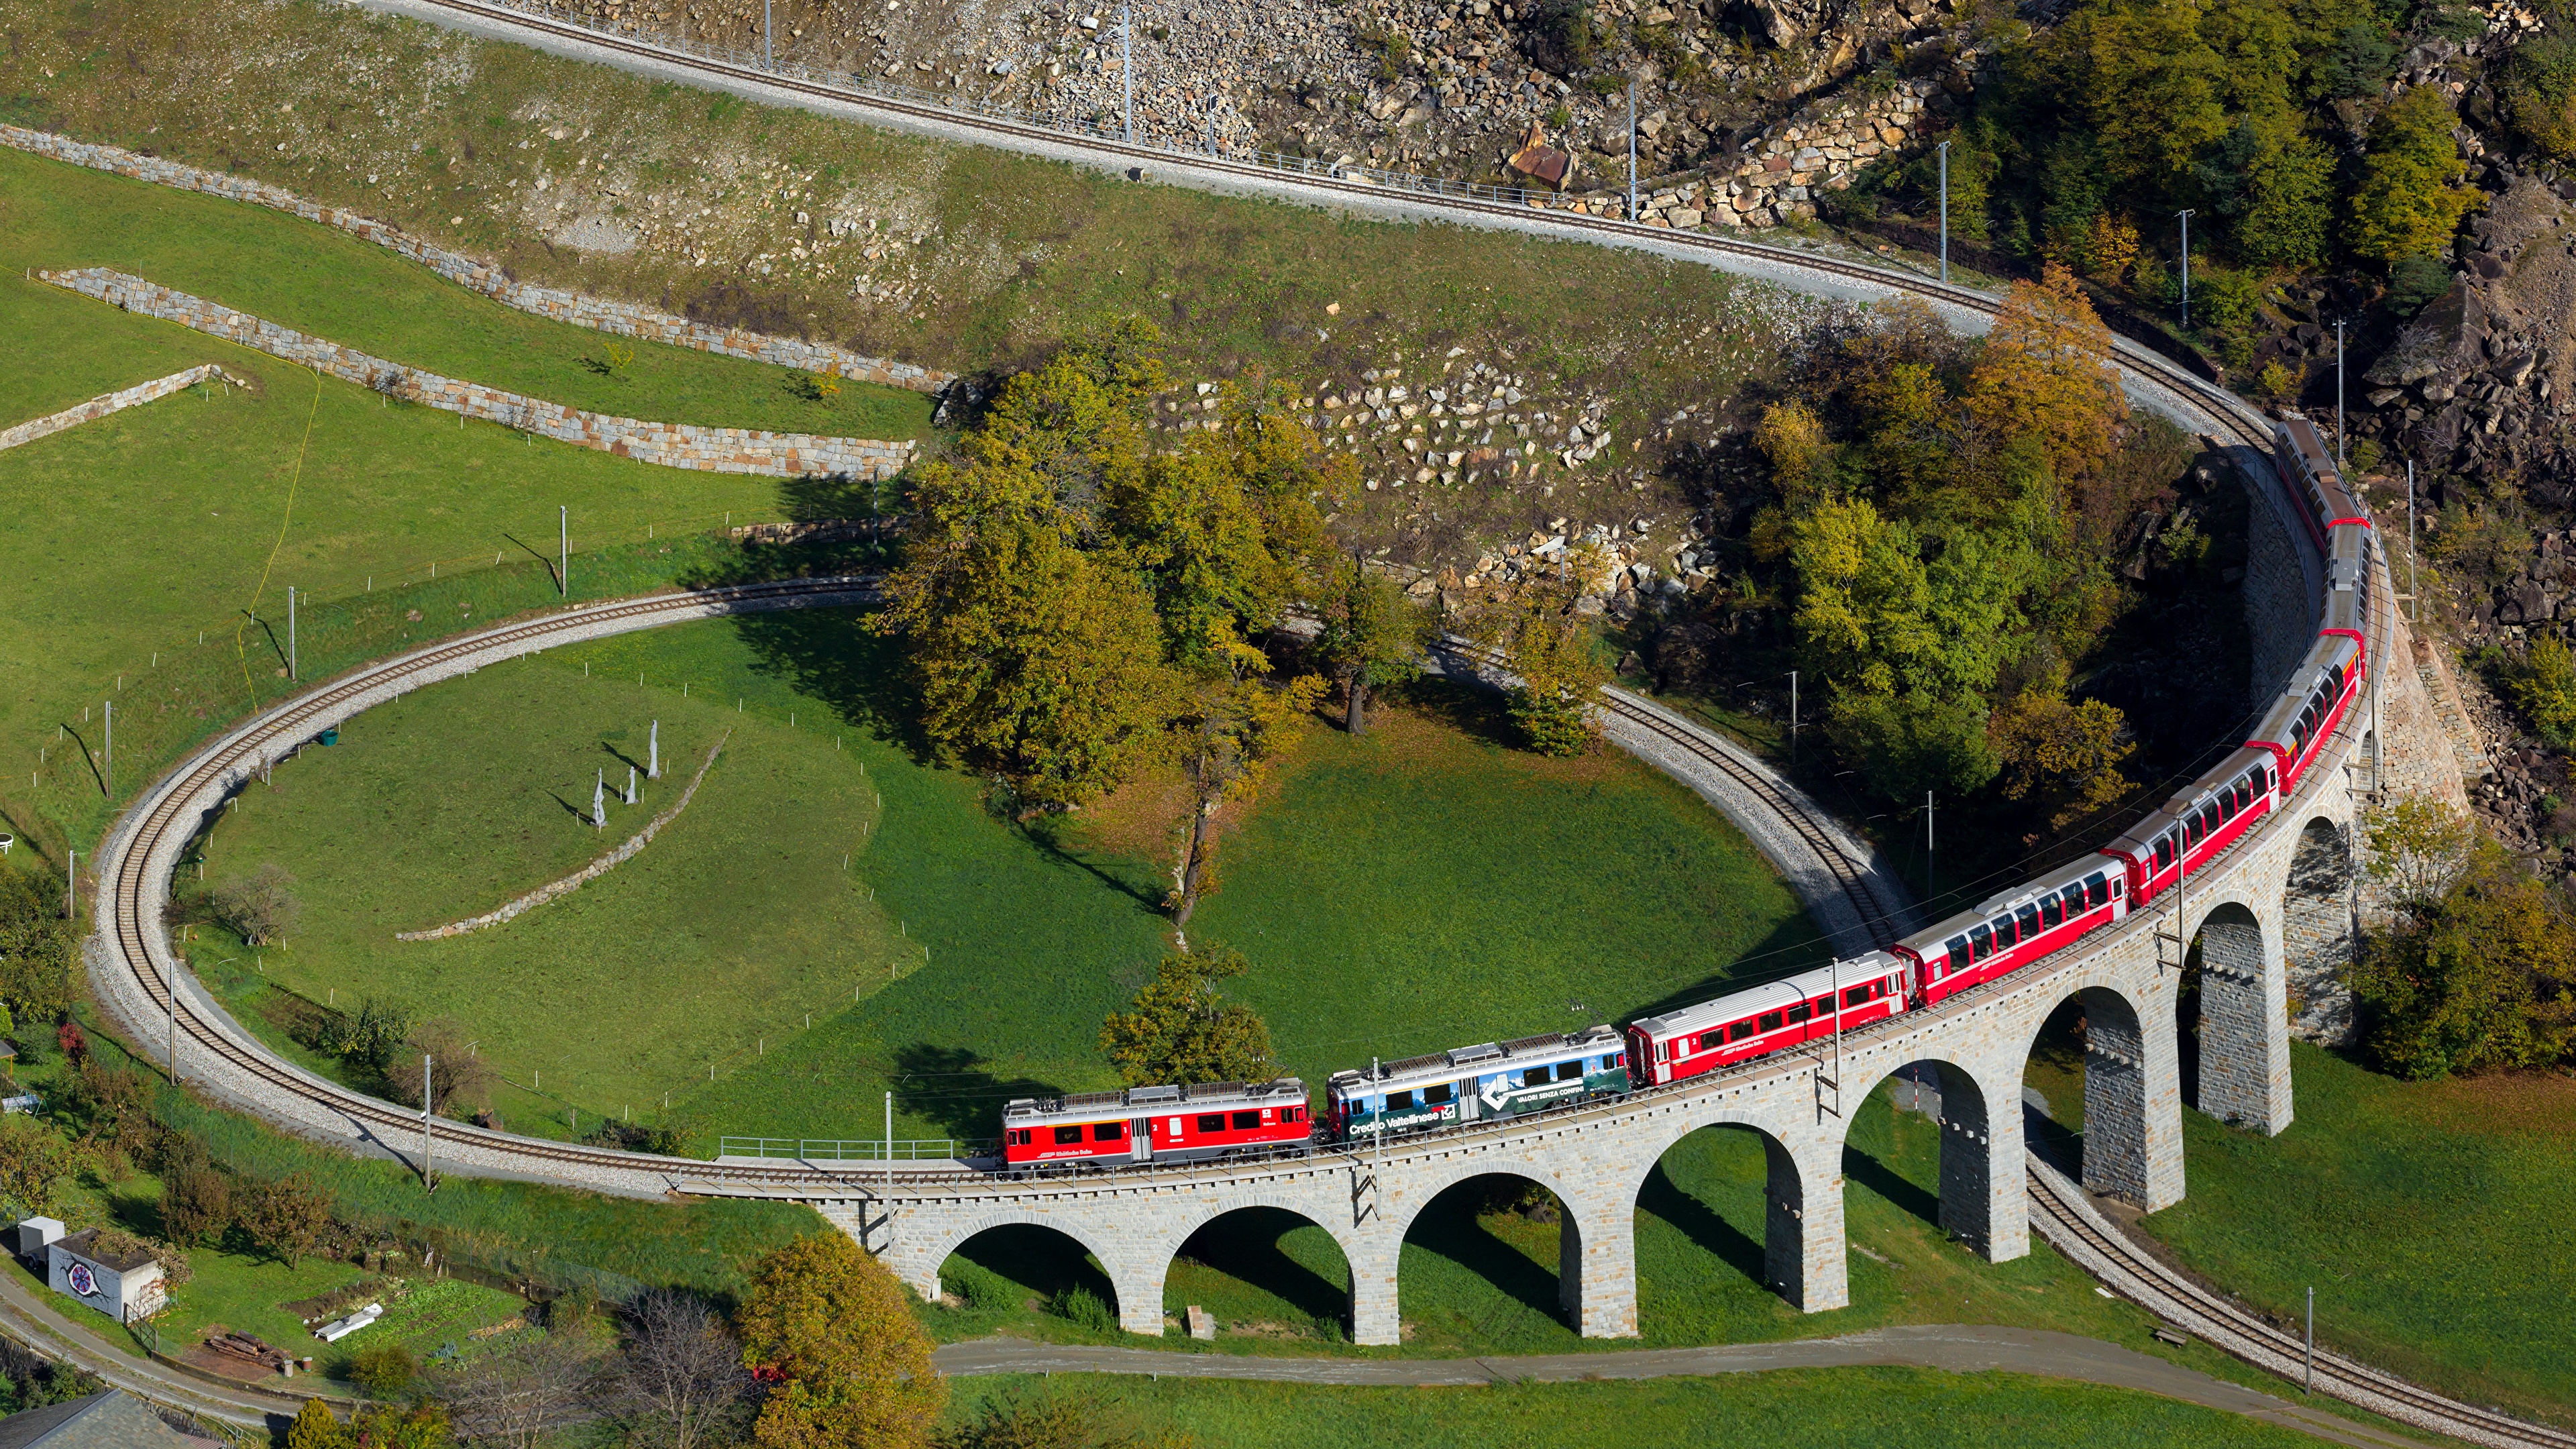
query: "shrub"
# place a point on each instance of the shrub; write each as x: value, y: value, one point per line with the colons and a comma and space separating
x: 2545, y: 687
x: 383, y: 1369
x: 260, y: 908
x: 2540, y: 92
x: 2414, y: 282
x: 2482, y: 977
x: 1083, y: 1308
x: 851, y: 1364
x: 315, y: 1428
x: 196, y: 1204
x: 2406, y: 204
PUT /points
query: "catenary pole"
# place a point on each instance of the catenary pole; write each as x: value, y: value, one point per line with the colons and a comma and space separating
x: 290, y: 633
x: 2186, y: 214
x: 563, y: 550
x: 426, y: 1180
x: 1127, y: 68
x: 2339, y: 393
x: 110, y: 751
x: 889, y: 1142
x: 2414, y: 583
x: 1793, y: 716
x: 1944, y: 150
x: 764, y: 33
x: 1632, y: 150
x: 1927, y: 845
x: 2308, y: 1384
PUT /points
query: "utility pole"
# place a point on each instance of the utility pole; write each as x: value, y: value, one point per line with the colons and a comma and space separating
x: 1127, y: 68
x: 1944, y: 150
x: 2309, y: 1385
x: 110, y: 752
x: 2185, y: 214
x: 764, y: 34
x: 170, y: 979
x: 71, y: 885
x: 428, y: 1183
x: 1927, y: 845
x: 1793, y: 716
x: 1632, y: 150
x: 563, y: 550
x: 290, y: 633
x: 653, y: 753
x: 2338, y: 394
x: 889, y: 1149
x: 2414, y: 582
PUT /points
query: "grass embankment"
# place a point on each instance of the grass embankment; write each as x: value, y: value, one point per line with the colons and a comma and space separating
x: 328, y: 284
x: 1785, y: 1409
x: 738, y: 920
x: 1476, y: 892
x: 160, y: 527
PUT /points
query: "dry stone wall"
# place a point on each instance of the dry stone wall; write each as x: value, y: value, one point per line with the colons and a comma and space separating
x: 113, y: 402
x: 672, y: 445
x: 623, y: 319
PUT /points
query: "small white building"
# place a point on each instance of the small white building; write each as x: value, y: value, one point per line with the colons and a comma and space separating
x: 124, y: 1287
x: 33, y: 1236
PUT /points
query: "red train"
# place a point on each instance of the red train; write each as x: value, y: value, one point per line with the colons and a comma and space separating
x: 2006, y: 932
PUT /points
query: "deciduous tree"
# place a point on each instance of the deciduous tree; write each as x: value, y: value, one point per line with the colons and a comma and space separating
x: 853, y: 1365
x: 2063, y: 755
x: 284, y: 1217
x: 39, y: 951
x: 261, y: 907
x: 196, y: 1204
x: 316, y: 1428
x: 1372, y: 636
x: 1237, y: 723
x: 1179, y: 1029
x: 2483, y: 978
x: 2417, y: 849
x: 2407, y: 203
x: 2045, y: 374
x: 1549, y: 646
x: 681, y: 1379
x: 34, y: 1160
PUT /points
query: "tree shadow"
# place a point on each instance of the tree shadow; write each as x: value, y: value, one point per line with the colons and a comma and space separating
x: 1449, y: 1226
x: 1042, y: 1260
x: 1879, y: 1177
x: 1701, y: 1224
x: 1472, y: 710
x: 1792, y: 946
x: 1047, y: 834
x: 1245, y: 1245
x: 953, y: 1087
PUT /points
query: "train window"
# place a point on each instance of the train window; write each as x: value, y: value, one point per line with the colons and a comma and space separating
x: 2164, y: 851
x: 1739, y: 1031
x: 1108, y: 1131
x: 1981, y: 944
x: 1569, y: 1071
x: 1855, y: 996
x: 1068, y: 1134
x: 2052, y: 910
x: 1215, y: 1121
x: 1801, y: 1011
x: 2210, y: 817
x: 1957, y: 947
x: 1434, y: 1095
x: 1019, y: 1136
x: 2263, y: 778
x: 2005, y: 933
x: 2028, y: 917
x: 1398, y: 1101
x: 2191, y: 832
x: 1246, y: 1121
x: 1770, y: 1021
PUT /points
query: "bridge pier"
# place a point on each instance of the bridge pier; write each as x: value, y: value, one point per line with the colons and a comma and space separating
x: 1376, y: 1314
x: 2244, y: 1021
x: 2133, y: 1095
x: 1596, y: 1264
x: 1983, y: 1174
x: 1803, y: 1252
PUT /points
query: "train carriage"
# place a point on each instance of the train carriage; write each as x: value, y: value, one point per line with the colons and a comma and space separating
x: 2307, y: 713
x: 2198, y: 822
x: 2347, y: 611
x: 2016, y: 927
x: 2309, y: 471
x: 1766, y: 1018
x: 1156, y: 1124
x: 1475, y: 1083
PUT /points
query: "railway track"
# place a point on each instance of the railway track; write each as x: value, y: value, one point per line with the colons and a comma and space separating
x: 147, y: 844
x: 2104, y: 1250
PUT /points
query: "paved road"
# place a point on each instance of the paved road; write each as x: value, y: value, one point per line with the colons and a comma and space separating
x: 1958, y: 1348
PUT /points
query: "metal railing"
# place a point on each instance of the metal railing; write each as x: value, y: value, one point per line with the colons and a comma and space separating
x: 825, y: 1149
x: 865, y: 86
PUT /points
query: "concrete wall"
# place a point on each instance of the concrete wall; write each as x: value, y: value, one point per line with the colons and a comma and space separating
x: 672, y: 445
x: 622, y: 318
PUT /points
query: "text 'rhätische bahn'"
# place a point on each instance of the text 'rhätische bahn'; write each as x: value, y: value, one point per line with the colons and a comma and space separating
x: 2008, y: 931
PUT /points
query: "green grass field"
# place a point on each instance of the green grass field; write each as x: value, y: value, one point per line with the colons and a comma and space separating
x: 713, y: 943
x: 1786, y: 1409
x: 737, y: 921
x: 324, y: 282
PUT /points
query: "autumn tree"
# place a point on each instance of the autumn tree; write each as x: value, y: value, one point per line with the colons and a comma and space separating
x: 1179, y: 1029
x: 521, y: 1391
x: 2545, y: 686
x: 2408, y: 203
x: 1372, y: 636
x: 2483, y: 976
x: 196, y: 1204
x: 315, y: 1427
x: 34, y: 1160
x: 1548, y: 645
x: 2063, y: 755
x: 39, y: 947
x: 2416, y: 849
x: 260, y: 907
x: 2045, y: 374
x: 852, y: 1364
x: 284, y: 1217
x: 1237, y: 723
x: 459, y: 1077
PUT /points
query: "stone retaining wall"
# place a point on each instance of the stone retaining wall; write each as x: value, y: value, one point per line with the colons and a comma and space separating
x: 673, y: 445
x: 621, y: 318
x: 113, y: 402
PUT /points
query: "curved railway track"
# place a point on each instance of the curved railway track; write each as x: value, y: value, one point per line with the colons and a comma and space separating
x: 144, y: 847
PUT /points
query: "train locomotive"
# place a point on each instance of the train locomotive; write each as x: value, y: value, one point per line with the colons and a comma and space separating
x: 2009, y: 930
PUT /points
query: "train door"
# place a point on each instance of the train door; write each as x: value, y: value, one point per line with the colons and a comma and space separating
x: 1140, y: 1140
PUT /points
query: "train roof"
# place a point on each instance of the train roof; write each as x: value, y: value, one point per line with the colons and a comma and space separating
x: 1788, y: 991
x: 2225, y: 772
x: 2330, y: 649
x: 2318, y: 462
x: 1482, y: 1057
x: 1930, y: 938
x: 1136, y: 1101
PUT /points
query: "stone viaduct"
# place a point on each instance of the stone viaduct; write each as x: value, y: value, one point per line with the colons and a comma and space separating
x: 2130, y: 982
